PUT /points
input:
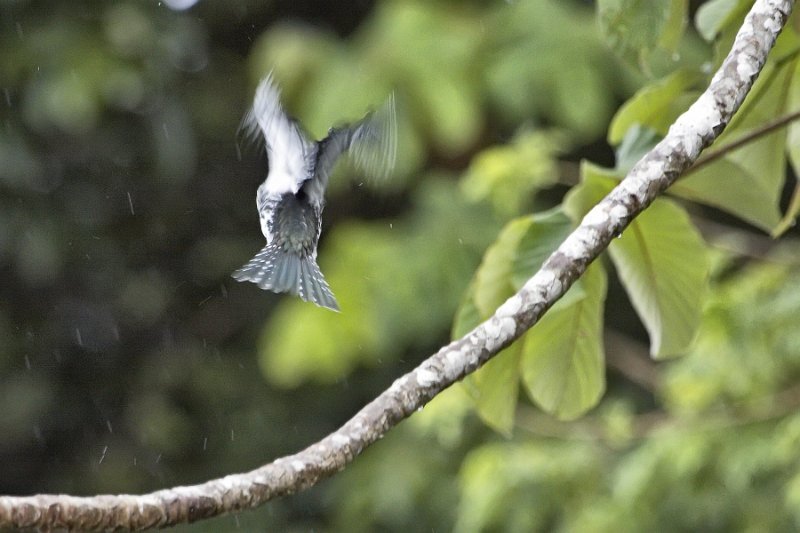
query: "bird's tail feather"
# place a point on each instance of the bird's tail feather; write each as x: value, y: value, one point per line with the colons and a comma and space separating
x: 276, y: 270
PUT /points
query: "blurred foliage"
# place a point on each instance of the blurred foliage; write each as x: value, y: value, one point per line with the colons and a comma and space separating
x: 509, y: 175
x: 636, y: 29
x: 712, y: 445
x: 731, y: 350
x: 130, y: 360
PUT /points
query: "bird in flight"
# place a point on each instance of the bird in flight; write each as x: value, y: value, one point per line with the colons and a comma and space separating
x: 291, y: 199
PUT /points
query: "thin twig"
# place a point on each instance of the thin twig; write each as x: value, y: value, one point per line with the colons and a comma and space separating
x: 753, y: 135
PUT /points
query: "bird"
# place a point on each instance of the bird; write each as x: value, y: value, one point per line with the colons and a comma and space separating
x: 291, y: 199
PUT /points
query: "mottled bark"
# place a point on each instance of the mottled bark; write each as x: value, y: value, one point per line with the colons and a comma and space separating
x: 690, y: 134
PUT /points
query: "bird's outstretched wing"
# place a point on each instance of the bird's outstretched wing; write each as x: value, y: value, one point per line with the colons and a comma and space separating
x: 371, y: 142
x: 290, y: 152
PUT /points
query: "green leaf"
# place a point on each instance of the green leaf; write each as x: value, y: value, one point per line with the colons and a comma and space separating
x: 634, y: 28
x: 657, y: 105
x: 540, y: 240
x: 495, y: 388
x: 596, y: 182
x: 715, y: 15
x: 519, y: 251
x: 663, y: 265
x: 748, y: 181
x: 467, y: 316
x: 661, y: 261
x: 562, y: 359
x: 674, y: 25
x: 739, y: 195
x: 754, y: 173
x: 493, y: 284
x: 636, y: 143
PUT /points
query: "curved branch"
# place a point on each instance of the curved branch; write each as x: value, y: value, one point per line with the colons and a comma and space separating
x: 691, y: 133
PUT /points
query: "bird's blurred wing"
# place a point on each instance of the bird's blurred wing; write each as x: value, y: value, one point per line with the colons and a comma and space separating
x: 374, y: 142
x: 290, y: 153
x: 371, y: 142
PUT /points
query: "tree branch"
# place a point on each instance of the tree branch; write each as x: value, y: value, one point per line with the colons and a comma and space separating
x: 691, y: 133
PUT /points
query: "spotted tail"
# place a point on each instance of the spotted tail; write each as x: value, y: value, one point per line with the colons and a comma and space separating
x: 276, y: 270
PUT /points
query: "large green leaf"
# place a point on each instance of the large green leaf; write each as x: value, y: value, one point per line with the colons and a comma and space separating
x: 637, y: 142
x: 663, y: 265
x: 494, y: 388
x: 562, y: 359
x: 596, y: 182
x: 517, y: 253
x: 493, y: 279
x: 539, y: 241
x: 656, y: 105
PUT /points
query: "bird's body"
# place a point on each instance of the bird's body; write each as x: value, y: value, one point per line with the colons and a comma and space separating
x: 291, y: 199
